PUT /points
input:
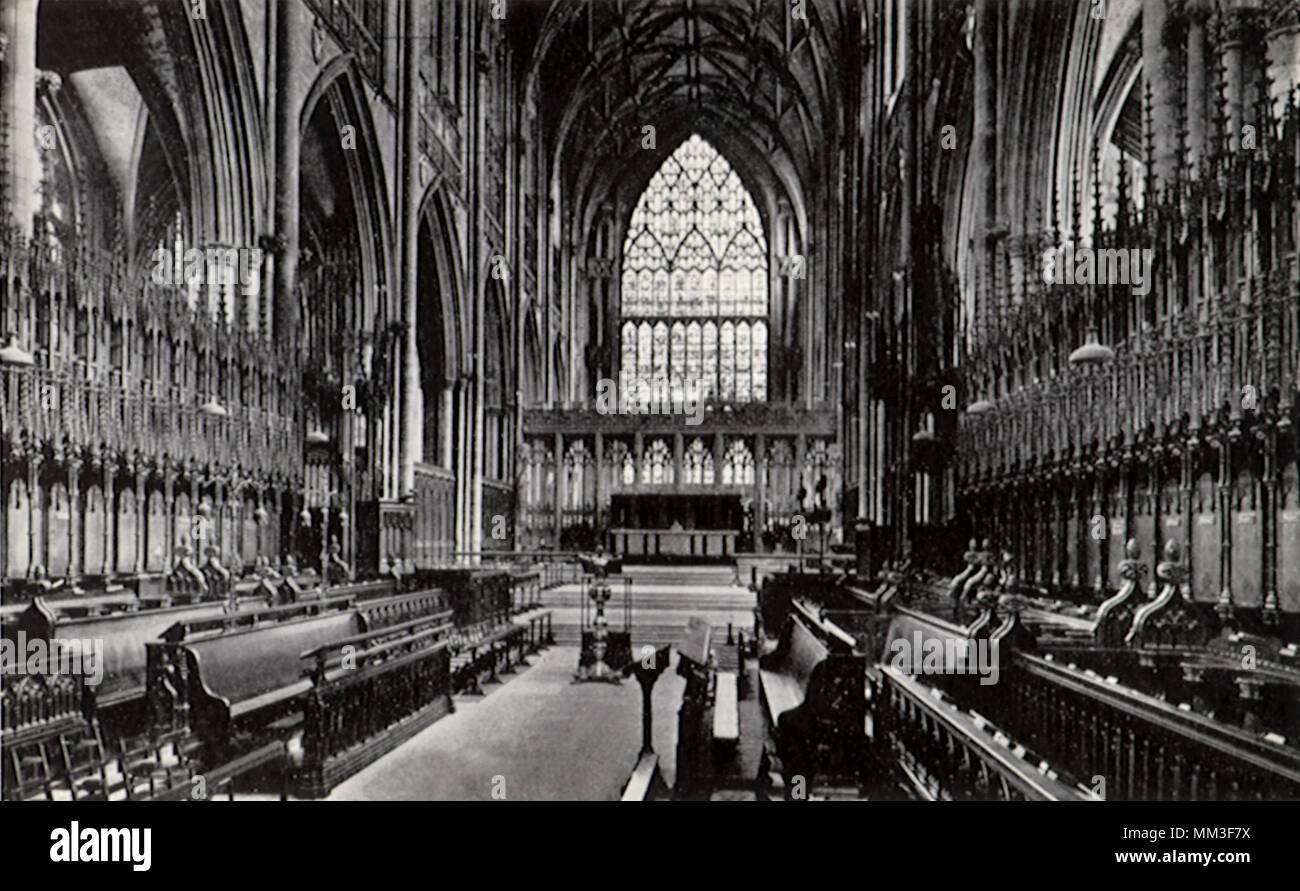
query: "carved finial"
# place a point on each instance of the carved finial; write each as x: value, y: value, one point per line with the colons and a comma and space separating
x: 1132, y: 568
x: 1171, y: 570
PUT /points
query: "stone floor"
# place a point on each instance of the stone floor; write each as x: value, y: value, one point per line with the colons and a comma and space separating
x: 537, y: 737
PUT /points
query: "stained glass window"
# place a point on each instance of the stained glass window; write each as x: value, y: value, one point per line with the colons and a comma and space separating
x: 695, y: 251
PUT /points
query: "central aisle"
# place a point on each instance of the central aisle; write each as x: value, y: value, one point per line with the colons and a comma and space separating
x: 546, y: 738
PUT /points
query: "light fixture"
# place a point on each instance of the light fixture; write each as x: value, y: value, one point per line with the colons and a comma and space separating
x: 979, y: 407
x: 316, y: 437
x: 924, y: 437
x: 1092, y: 352
x: 213, y: 409
x: 14, y: 355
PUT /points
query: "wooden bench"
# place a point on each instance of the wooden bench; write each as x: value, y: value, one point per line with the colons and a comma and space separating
x: 726, y: 708
x: 784, y: 673
x: 813, y: 690
x: 123, y: 635
x: 217, y: 679
x: 478, y: 651
x: 538, y: 621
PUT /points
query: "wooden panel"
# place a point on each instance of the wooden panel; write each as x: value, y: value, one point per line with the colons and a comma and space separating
x: 1143, y: 520
x: 17, y: 532
x: 60, y: 546
x: 127, y: 531
x: 1288, y: 540
x: 1205, y: 537
x: 1071, y: 548
x: 1116, y: 537
x: 93, y: 540
x: 230, y: 552
x: 1246, y: 539
x: 39, y: 508
x: 1172, y: 524
x: 183, y: 525
x: 156, y: 540
x: 249, y: 543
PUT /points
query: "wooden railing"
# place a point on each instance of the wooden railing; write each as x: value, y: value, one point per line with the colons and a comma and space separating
x: 401, y: 683
x: 950, y: 753
x: 1142, y: 747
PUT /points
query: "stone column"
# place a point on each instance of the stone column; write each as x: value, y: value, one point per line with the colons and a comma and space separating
x: 1239, y: 88
x: 985, y: 142
x: 18, y: 102
x: 1196, y: 81
x: 1284, y: 54
x: 1160, y: 77
x: 760, y: 490
x: 410, y: 442
x: 559, y: 488
x: 447, y: 413
x: 292, y: 63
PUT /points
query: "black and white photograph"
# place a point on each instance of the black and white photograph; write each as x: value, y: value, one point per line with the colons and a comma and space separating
x: 886, y: 401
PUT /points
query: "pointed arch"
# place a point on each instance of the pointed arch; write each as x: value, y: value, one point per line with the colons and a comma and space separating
x: 697, y: 237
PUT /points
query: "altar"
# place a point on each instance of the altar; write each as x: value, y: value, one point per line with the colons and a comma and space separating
x: 673, y: 541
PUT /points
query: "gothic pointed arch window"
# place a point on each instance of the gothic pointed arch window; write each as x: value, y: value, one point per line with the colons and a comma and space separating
x: 694, y: 281
x: 738, y: 465
x: 698, y: 464
x: 657, y: 464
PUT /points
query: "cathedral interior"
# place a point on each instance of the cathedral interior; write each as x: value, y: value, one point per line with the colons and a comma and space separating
x: 913, y: 384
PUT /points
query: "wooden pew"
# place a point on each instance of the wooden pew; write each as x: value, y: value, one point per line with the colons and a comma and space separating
x: 479, y: 653
x: 123, y: 636
x: 243, y: 670
x: 239, y: 673
x: 812, y: 690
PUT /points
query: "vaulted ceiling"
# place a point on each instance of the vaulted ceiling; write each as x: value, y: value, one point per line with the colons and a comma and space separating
x: 762, y: 84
